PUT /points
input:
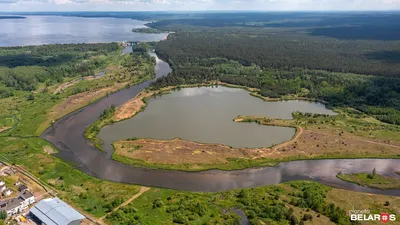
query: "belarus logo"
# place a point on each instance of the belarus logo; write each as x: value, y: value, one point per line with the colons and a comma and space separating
x: 385, y: 217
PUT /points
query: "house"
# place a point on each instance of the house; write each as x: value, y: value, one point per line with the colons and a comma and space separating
x: 2, y: 188
x: 2, y: 183
x: 27, y: 198
x: 16, y: 205
x: 53, y: 211
x: 7, y: 192
x: 23, y: 188
x: 11, y: 206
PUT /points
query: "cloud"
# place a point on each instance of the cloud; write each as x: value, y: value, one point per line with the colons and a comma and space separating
x: 151, y: 5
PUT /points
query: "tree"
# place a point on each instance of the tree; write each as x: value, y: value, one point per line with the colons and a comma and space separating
x: 307, y: 217
x: 372, y: 175
x: 3, y: 215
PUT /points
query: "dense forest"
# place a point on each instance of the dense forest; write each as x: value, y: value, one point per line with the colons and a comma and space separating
x: 284, y: 52
x: 22, y: 68
x: 318, y: 68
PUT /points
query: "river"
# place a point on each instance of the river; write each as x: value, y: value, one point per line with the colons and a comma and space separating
x: 67, y: 135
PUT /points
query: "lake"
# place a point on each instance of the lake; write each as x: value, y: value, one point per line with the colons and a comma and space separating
x: 67, y: 135
x: 38, y: 30
x: 206, y: 115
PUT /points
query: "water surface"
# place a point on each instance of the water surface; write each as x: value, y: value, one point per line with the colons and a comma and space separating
x: 206, y: 115
x: 38, y: 30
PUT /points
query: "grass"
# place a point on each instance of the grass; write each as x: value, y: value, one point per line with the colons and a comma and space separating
x: 373, y: 181
x: 88, y: 194
x: 232, y: 164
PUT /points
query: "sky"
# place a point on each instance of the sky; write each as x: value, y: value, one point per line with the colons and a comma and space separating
x: 196, y: 5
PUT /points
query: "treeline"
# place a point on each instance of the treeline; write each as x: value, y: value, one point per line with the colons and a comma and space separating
x: 23, y: 68
x: 283, y: 52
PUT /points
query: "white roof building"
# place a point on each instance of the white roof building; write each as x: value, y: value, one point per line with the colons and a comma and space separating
x: 53, y: 211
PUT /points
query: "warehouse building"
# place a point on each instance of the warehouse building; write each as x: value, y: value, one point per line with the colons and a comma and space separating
x: 53, y: 211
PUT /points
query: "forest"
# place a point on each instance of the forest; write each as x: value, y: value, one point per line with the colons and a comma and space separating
x: 360, y: 74
x: 23, y: 68
x: 284, y: 51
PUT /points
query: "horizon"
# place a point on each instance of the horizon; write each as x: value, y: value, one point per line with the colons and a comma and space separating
x: 202, y: 11
x: 196, y: 5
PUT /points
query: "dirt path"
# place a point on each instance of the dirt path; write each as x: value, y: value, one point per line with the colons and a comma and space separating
x: 141, y: 191
x: 284, y: 144
x: 4, y: 128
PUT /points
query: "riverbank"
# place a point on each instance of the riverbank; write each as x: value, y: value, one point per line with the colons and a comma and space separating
x: 371, y: 180
x: 317, y: 137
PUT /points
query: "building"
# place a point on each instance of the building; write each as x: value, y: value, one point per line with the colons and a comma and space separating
x: 2, y: 188
x: 16, y: 205
x: 2, y: 183
x: 27, y: 198
x: 11, y: 206
x: 23, y: 188
x: 53, y: 211
x: 7, y: 192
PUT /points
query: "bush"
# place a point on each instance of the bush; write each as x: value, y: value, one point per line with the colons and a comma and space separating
x: 179, y: 218
x: 307, y: 217
x: 157, y: 203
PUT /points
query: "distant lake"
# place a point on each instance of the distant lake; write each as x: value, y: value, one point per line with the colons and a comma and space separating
x: 205, y: 115
x: 38, y: 30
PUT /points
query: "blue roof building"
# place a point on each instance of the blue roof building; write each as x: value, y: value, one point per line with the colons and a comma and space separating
x: 53, y: 211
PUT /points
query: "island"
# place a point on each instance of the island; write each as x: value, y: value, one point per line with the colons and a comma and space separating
x: 148, y: 30
x: 372, y: 180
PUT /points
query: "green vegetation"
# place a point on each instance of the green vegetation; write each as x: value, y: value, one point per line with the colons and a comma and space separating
x: 33, y: 92
x: 266, y: 205
x: 147, y: 30
x: 372, y: 180
x: 7, y: 121
x: 232, y: 164
x: 89, y: 194
x: 105, y: 118
x: 36, y: 109
x: 23, y: 68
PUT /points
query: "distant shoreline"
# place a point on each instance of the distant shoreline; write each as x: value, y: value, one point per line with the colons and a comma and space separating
x: 11, y: 17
